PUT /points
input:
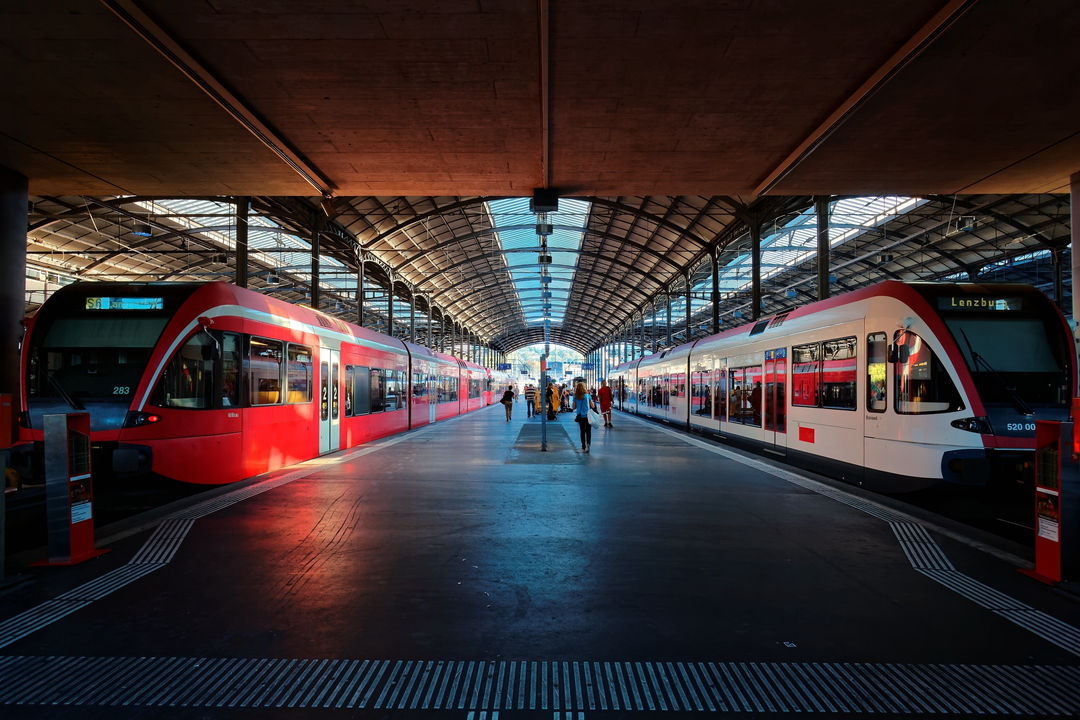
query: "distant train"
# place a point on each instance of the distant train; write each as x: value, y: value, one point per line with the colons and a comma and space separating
x: 896, y: 387
x: 210, y: 383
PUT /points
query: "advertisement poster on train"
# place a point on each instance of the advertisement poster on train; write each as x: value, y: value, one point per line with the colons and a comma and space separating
x: 1046, y: 506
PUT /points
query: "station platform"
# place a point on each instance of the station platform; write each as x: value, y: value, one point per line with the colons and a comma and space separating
x: 458, y: 572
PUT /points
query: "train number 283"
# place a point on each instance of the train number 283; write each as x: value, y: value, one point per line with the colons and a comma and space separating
x: 1030, y: 427
x: 127, y: 391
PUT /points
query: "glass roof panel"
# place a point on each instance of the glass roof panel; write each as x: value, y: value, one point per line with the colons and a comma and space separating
x: 516, y: 231
x: 786, y: 246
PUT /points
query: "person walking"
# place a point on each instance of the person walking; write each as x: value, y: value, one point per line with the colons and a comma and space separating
x: 582, y: 402
x: 553, y: 401
x: 508, y: 401
x: 530, y: 400
x: 605, y: 403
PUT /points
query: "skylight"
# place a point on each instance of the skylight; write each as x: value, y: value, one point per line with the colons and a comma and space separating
x: 515, y: 229
x: 789, y: 245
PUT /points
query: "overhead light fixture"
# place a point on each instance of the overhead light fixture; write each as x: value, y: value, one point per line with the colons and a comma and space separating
x: 545, y: 259
x: 884, y: 258
x: 544, y: 200
x: 544, y: 229
x: 142, y: 230
x: 546, y: 295
x: 273, y: 279
x: 327, y: 205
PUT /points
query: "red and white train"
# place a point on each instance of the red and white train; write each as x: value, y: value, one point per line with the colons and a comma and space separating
x: 210, y: 383
x: 895, y: 387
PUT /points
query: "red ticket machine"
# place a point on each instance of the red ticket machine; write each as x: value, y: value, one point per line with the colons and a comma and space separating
x: 1057, y: 503
x: 68, y: 490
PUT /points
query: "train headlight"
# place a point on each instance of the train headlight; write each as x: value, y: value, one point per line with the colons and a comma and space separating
x: 979, y: 425
x: 140, y: 419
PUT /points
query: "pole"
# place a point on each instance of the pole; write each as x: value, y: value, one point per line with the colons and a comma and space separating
x: 1074, y: 196
x: 543, y: 402
x: 821, y: 204
x: 390, y: 306
x: 412, y: 316
x: 755, y: 252
x: 715, y: 292
x: 315, y: 238
x: 242, y: 206
x: 360, y: 293
x: 14, y: 197
x: 689, y: 309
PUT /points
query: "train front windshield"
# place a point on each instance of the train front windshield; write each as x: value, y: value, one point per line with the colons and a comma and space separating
x: 1027, y: 353
x: 93, y: 357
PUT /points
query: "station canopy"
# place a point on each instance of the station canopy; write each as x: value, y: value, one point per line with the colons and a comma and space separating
x: 617, y: 263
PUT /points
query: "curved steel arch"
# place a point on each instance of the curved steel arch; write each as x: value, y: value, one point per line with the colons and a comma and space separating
x: 458, y: 239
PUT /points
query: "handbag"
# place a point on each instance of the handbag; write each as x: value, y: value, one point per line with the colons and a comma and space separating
x: 594, y: 418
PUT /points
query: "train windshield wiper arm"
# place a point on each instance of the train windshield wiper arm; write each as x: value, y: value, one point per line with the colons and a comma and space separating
x: 58, y: 387
x: 1018, y: 401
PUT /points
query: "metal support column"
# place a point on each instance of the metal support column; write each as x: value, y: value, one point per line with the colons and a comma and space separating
x: 360, y: 292
x: 430, y: 340
x: 315, y: 237
x: 821, y: 205
x: 243, y: 204
x: 689, y: 310
x: 1074, y: 195
x: 667, y: 297
x: 14, y: 198
x: 642, y: 333
x: 1059, y: 280
x: 755, y: 254
x: 715, y: 262
x: 390, y: 307
x: 412, y: 316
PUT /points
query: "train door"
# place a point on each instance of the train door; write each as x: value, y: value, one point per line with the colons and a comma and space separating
x: 329, y: 400
x: 775, y: 400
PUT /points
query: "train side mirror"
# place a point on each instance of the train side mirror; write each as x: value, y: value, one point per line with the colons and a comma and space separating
x: 899, y: 353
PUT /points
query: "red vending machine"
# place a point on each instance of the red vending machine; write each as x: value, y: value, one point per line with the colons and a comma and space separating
x: 69, y: 498
x: 1057, y: 503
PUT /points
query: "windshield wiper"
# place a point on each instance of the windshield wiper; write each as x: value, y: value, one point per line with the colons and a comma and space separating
x: 1018, y: 401
x: 58, y: 387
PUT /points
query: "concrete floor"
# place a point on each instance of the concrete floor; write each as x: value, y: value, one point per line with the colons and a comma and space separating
x: 460, y: 564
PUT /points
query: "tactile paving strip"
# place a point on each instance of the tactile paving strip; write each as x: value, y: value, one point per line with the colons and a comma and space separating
x: 440, y: 686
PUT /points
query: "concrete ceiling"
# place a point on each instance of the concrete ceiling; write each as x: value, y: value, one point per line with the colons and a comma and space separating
x: 446, y: 97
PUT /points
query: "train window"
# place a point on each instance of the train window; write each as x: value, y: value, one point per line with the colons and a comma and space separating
x: 700, y: 397
x: 265, y: 365
x: 361, y: 388
x: 448, y: 388
x: 377, y: 386
x: 348, y: 391
x: 324, y: 391
x: 230, y: 369
x: 922, y: 384
x: 335, y: 393
x: 393, y: 390
x: 419, y: 386
x: 838, y: 374
x: 805, y: 369
x: 720, y: 395
x: 299, y: 374
x: 474, y: 389
x: 188, y: 380
x: 877, y: 352
x: 746, y: 396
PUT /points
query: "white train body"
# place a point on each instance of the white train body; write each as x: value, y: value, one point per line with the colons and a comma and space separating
x: 884, y: 387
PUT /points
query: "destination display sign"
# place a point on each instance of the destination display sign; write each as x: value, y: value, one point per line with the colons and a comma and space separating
x: 124, y: 303
x: 984, y: 303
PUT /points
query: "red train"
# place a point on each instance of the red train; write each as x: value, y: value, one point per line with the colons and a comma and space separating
x: 210, y: 383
